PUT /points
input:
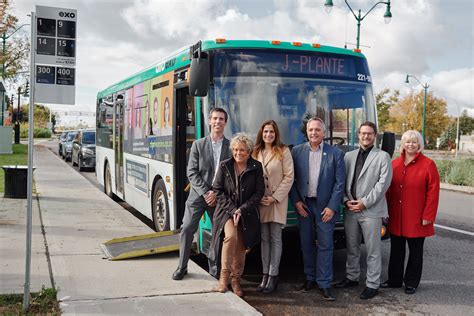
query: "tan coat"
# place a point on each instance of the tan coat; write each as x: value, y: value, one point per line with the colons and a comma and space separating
x: 280, y: 176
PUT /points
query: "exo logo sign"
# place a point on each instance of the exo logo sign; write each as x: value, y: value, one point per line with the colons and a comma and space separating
x: 71, y: 15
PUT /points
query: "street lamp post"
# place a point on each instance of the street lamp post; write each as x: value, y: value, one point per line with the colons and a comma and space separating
x: 17, y: 121
x: 425, y: 87
x: 2, y: 95
x: 387, y: 15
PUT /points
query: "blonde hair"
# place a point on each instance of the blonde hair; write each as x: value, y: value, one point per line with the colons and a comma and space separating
x: 411, y: 135
x: 243, y: 139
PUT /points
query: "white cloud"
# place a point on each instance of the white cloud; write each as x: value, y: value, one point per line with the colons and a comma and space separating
x: 429, y: 39
x: 456, y: 86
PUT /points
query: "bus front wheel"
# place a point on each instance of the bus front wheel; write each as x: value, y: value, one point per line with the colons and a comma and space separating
x: 160, y: 207
x: 108, y: 182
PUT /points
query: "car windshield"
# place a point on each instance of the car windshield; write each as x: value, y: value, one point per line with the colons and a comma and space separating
x: 88, y: 138
x: 71, y: 136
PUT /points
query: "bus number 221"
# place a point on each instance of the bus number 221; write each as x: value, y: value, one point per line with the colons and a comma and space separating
x: 364, y: 77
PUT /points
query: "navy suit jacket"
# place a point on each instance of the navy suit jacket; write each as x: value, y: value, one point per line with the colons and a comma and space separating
x: 332, y: 177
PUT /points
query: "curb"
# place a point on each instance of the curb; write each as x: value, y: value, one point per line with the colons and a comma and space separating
x: 457, y: 188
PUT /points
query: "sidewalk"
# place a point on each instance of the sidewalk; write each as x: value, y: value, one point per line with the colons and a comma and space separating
x: 77, y: 218
x: 457, y: 188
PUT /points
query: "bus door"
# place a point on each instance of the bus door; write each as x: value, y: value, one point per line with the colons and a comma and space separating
x: 184, y: 137
x: 118, y: 142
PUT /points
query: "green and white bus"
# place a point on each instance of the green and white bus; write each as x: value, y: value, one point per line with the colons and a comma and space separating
x: 147, y: 122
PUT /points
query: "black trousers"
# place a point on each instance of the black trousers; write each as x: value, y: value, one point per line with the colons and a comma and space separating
x: 414, y: 267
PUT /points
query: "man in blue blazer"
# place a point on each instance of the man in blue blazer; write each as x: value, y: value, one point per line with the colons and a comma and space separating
x: 316, y: 194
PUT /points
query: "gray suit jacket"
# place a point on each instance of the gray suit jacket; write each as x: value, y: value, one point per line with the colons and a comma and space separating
x: 201, y: 167
x: 373, y: 181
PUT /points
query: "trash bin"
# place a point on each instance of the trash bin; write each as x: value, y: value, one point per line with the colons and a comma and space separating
x: 16, y: 181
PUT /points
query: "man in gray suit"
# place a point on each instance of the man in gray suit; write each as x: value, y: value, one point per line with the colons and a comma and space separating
x: 204, y: 158
x: 369, y: 173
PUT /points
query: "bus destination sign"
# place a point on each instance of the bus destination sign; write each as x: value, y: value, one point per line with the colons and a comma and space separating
x: 321, y: 65
x: 255, y: 63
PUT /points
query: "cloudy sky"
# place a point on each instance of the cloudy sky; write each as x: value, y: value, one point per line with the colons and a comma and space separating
x: 431, y: 39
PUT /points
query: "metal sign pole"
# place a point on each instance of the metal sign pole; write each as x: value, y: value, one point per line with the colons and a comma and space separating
x: 26, y: 293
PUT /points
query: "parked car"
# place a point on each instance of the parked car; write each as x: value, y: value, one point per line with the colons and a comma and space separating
x: 67, y: 147
x: 83, y: 149
x: 62, y: 140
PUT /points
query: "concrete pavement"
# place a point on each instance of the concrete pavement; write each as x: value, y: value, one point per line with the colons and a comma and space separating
x: 77, y: 218
x: 13, y: 248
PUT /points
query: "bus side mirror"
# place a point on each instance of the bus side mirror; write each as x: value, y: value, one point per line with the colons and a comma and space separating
x: 388, y: 143
x: 199, y: 75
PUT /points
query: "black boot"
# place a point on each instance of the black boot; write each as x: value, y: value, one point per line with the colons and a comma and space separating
x: 263, y: 283
x: 271, y: 284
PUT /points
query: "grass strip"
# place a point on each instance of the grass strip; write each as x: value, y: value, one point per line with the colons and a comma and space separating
x: 19, y: 157
x: 41, y: 303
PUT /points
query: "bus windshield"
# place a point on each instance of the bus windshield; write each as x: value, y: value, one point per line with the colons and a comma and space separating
x: 272, y: 87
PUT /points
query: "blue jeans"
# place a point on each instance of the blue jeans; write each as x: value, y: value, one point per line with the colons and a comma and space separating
x: 317, y: 258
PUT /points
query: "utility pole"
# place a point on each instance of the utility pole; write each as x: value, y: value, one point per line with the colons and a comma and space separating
x: 17, y: 120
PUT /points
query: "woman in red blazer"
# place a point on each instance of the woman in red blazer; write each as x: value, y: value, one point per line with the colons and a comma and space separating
x: 412, y: 205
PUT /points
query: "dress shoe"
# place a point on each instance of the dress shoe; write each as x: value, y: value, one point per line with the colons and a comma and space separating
x: 410, y: 290
x: 262, y: 284
x: 327, y: 294
x: 271, y: 285
x: 179, y: 274
x: 307, y: 286
x: 368, y: 293
x: 346, y: 283
x: 387, y: 284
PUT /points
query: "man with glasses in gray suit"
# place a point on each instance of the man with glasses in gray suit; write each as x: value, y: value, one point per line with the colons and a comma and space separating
x: 368, y: 174
x: 204, y: 158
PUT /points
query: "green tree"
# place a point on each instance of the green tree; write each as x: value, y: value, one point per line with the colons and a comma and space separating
x: 466, y: 124
x: 408, y: 114
x: 15, y: 49
x: 41, y: 117
x: 385, y: 100
x: 466, y: 127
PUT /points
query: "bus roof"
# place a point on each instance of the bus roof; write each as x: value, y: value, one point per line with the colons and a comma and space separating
x: 180, y: 58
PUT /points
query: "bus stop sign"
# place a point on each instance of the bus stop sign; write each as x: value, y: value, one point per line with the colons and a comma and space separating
x: 55, y: 55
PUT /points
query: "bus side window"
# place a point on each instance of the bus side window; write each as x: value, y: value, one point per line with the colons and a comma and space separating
x: 190, y: 117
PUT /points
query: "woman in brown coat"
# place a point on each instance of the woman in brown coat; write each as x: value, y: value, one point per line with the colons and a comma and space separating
x: 236, y: 224
x: 278, y: 174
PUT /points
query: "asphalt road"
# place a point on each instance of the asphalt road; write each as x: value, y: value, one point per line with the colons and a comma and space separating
x: 446, y: 287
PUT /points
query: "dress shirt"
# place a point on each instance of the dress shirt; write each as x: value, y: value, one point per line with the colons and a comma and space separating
x: 361, y: 158
x: 216, y: 154
x: 314, y: 163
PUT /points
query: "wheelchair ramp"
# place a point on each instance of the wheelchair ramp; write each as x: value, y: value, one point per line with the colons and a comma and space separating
x: 141, y: 245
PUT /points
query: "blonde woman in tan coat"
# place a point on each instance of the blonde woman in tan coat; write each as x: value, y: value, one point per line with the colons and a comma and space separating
x: 278, y: 174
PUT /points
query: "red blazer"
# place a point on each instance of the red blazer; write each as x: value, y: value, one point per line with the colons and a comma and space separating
x: 413, y: 196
